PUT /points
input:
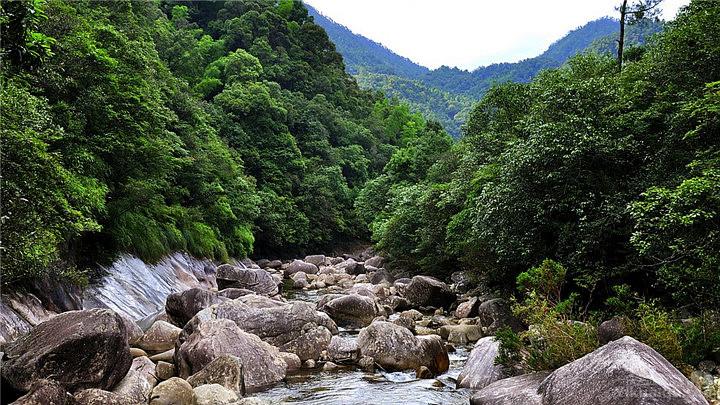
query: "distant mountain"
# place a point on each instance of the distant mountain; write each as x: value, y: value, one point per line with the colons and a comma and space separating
x: 447, y: 94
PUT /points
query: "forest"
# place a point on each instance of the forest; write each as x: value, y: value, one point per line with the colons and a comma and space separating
x: 231, y: 129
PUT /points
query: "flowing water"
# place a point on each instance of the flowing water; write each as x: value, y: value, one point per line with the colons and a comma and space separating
x: 352, y: 386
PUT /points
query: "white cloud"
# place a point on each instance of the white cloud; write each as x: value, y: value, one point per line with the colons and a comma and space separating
x: 468, y: 33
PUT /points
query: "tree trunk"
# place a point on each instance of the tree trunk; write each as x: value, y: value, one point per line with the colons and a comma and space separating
x: 621, y: 39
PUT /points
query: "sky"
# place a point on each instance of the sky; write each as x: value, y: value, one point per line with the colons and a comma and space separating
x: 469, y: 33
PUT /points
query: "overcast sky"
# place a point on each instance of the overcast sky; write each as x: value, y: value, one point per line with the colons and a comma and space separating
x: 468, y: 33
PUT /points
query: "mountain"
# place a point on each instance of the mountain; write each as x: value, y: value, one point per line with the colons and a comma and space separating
x: 447, y: 94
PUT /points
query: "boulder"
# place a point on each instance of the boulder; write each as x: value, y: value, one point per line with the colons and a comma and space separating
x: 299, y: 280
x: 395, y: 347
x: 225, y: 370
x: 135, y: 387
x: 168, y: 356
x: 495, y: 314
x: 261, y: 362
x: 95, y: 396
x: 262, y: 263
x: 480, y: 369
x: 146, y: 368
x: 613, y: 329
x: 294, y: 327
x: 315, y: 259
x: 461, y: 334
x: 353, y: 268
x: 405, y: 322
x: 214, y: 394
x: 164, y: 371
x: 468, y: 309
x: 343, y: 349
x: 381, y: 276
x: 351, y: 311
x: 160, y: 337
x: 257, y: 280
x: 134, y: 331
x: 397, y: 303
x: 623, y: 372
x: 375, y: 261
x: 274, y: 264
x: 51, y: 350
x: 511, y: 391
x: 299, y: 265
x: 426, y: 291
x: 233, y: 293
x: 174, y: 391
x: 180, y: 307
x: 292, y: 360
x: 45, y: 392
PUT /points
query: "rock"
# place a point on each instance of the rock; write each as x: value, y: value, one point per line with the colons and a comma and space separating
x: 343, y: 349
x: 426, y: 291
x: 315, y: 259
x: 381, y: 276
x: 309, y: 364
x: 233, y: 293
x: 135, y: 352
x: 45, y: 392
x: 182, y: 306
x: 405, y: 322
x: 214, y: 394
x: 215, y: 338
x: 511, y: 391
x: 257, y: 280
x: 461, y: 334
x: 262, y: 263
x: 160, y: 337
x: 395, y: 347
x: 361, y: 278
x: 299, y: 265
x: 480, y: 369
x: 254, y: 401
x: 225, y: 370
x: 100, y: 397
x: 292, y: 360
x: 299, y: 280
x: 164, y: 371
x: 167, y: 356
x: 413, y: 314
x: 423, y: 373
x: 351, y: 311
x: 135, y: 387
x: 134, y: 331
x: 706, y: 383
x: 375, y: 261
x: 51, y: 349
x: 398, y: 303
x: 330, y: 366
x: 146, y: 368
x: 495, y: 314
x: 294, y: 327
x: 367, y: 364
x: 274, y: 264
x: 174, y: 391
x: 468, y: 309
x: 623, y: 371
x: 613, y: 329
x: 354, y: 268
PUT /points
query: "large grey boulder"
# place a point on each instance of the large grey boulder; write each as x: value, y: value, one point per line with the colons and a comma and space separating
x: 225, y: 370
x: 174, y: 391
x: 468, y: 309
x: 461, y: 334
x: 214, y: 394
x: 78, y: 349
x: 160, y: 337
x: 299, y: 265
x: 623, y: 372
x: 381, y: 276
x: 294, y: 327
x: 351, y: 311
x: 135, y: 387
x: 45, y: 392
x: 257, y: 280
x: 315, y: 259
x: 497, y: 313
x: 180, y: 307
x: 395, y: 347
x: 375, y: 261
x: 426, y: 291
x: 480, y: 369
x: 511, y: 391
x: 261, y: 363
x: 343, y: 349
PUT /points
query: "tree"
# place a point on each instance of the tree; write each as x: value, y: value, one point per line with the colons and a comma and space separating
x: 630, y: 13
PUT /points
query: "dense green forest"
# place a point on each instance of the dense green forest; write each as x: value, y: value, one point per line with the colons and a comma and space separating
x: 218, y: 128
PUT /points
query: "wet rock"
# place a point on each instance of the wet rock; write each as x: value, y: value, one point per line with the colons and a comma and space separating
x: 309, y: 364
x: 367, y: 364
x: 51, y: 349
x: 343, y: 349
x: 381, y: 276
x: 225, y: 370
x: 257, y: 280
x: 315, y: 259
x: 351, y: 311
x: 461, y: 334
x: 495, y: 314
x: 480, y: 369
x: 160, y: 337
x: 511, y: 391
x: 395, y: 347
x: 95, y: 396
x: 164, y: 371
x: 135, y: 387
x: 468, y: 309
x: 299, y: 265
x: 174, y: 391
x: 214, y: 394
x: 613, y: 329
x: 215, y: 338
x: 45, y: 392
x: 423, y: 373
x: 330, y: 366
x: 428, y: 291
x: 182, y: 306
x: 292, y: 360
x: 624, y: 371
x: 375, y: 261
